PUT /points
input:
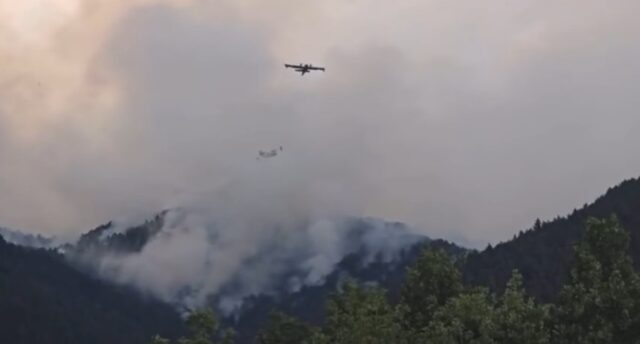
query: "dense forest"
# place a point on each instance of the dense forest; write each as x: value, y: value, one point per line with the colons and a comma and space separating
x: 543, y: 254
x: 45, y: 300
x: 600, y: 303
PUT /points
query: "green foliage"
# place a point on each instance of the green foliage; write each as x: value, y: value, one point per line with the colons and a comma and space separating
x: 465, y: 319
x: 429, y: 284
x: 202, y: 326
x: 601, y: 303
x: 283, y: 329
x: 359, y: 315
x: 203, y: 329
x: 518, y: 319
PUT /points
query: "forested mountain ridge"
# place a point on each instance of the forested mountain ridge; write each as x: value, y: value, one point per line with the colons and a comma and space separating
x: 42, y: 296
x: 383, y: 265
x: 105, y: 238
x: 599, y: 304
x: 45, y: 300
x: 38, y: 284
x: 543, y: 253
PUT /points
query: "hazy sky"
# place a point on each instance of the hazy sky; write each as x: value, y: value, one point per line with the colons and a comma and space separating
x: 469, y: 119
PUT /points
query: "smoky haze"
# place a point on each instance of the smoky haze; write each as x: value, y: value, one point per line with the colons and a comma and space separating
x: 216, y: 255
x: 466, y: 119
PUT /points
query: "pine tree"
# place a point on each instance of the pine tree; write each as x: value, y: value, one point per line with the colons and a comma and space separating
x: 537, y: 225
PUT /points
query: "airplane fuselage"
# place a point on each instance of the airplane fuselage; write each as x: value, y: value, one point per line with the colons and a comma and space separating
x: 303, y: 68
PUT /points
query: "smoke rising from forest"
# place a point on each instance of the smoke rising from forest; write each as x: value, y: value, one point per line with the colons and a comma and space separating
x: 468, y: 120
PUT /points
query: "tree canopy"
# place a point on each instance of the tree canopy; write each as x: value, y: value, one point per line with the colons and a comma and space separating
x: 599, y: 304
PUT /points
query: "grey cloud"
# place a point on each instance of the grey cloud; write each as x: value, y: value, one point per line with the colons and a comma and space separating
x: 469, y: 123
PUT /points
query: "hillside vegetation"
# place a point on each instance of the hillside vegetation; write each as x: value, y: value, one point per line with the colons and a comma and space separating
x: 45, y: 300
x: 600, y: 303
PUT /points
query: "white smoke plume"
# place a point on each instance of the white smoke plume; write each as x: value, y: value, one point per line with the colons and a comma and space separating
x: 238, y: 245
x: 470, y: 119
x: 467, y: 118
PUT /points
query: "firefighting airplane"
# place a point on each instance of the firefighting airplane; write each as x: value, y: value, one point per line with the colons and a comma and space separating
x: 268, y: 154
x: 303, y: 68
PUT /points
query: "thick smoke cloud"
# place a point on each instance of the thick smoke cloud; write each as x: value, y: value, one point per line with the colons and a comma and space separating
x: 467, y: 119
x: 204, y: 253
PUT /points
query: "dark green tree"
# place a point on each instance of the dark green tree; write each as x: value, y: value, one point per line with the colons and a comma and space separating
x: 359, y: 315
x: 537, y: 225
x: 518, y: 319
x: 465, y: 319
x: 203, y: 328
x: 283, y: 329
x: 429, y: 284
x: 601, y: 302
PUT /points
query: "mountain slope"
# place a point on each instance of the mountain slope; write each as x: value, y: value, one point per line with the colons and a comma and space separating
x: 295, y: 275
x: 44, y: 300
x: 543, y: 253
x: 42, y: 296
x: 308, y: 304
